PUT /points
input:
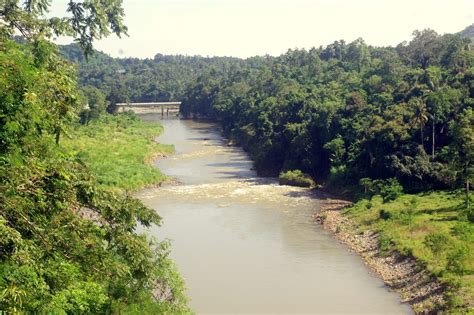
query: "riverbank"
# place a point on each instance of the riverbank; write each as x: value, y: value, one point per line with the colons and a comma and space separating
x: 244, y: 243
x: 395, y: 247
x: 120, y: 150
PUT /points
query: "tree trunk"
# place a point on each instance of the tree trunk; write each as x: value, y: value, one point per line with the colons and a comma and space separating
x: 421, y: 132
x: 433, y: 138
x: 467, y: 194
x: 58, y: 134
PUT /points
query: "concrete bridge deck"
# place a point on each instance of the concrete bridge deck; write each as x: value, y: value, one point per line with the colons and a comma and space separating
x: 165, y: 108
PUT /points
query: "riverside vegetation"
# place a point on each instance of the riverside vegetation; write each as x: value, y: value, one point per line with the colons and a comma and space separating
x: 67, y: 240
x: 402, y: 252
x: 295, y: 178
x: 120, y: 150
x: 433, y: 228
x: 390, y: 126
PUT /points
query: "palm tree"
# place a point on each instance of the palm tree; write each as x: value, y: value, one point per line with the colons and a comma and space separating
x: 420, y: 115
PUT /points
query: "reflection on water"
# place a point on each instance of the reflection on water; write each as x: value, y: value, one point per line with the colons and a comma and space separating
x: 247, y: 245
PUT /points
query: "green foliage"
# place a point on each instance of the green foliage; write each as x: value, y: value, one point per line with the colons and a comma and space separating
x: 338, y: 113
x: 163, y: 78
x: 88, y: 20
x: 391, y: 190
x: 337, y: 149
x: 67, y: 244
x: 384, y: 215
x: 295, y: 178
x: 348, y: 111
x: 437, y: 242
x: 468, y: 32
x: 120, y: 150
x: 430, y: 227
x: 25, y: 87
x: 462, y: 150
x: 470, y: 214
x: 95, y: 104
x: 458, y: 260
x: 385, y: 244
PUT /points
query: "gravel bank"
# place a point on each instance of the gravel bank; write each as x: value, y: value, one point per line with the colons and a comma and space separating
x: 401, y: 274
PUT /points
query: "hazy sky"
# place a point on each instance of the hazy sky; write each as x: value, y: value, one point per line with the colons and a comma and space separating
x: 245, y: 28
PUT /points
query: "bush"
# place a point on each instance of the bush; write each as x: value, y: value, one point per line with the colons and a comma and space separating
x: 338, y: 176
x: 464, y: 231
x: 296, y: 178
x: 385, y: 245
x: 470, y: 214
x: 384, y: 215
x: 391, y: 190
x: 437, y: 242
x: 458, y: 261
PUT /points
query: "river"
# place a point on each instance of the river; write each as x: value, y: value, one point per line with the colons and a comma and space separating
x: 247, y: 245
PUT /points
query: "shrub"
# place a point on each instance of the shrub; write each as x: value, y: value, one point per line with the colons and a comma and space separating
x: 391, y: 190
x: 464, y: 231
x: 385, y: 245
x: 385, y: 215
x: 338, y: 175
x: 437, y: 242
x: 470, y: 214
x: 367, y: 184
x: 295, y: 178
x: 458, y: 260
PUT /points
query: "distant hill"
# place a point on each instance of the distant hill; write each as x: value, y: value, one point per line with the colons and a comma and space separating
x: 163, y: 78
x: 468, y: 32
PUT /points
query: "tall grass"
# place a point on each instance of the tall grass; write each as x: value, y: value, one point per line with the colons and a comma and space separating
x: 433, y: 228
x: 120, y: 150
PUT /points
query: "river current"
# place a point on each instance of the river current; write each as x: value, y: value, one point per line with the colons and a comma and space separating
x: 245, y: 244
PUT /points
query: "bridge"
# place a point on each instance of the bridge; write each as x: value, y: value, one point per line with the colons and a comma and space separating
x: 165, y: 108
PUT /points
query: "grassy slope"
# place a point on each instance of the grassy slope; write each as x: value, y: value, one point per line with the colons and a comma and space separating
x: 119, y: 150
x: 405, y: 224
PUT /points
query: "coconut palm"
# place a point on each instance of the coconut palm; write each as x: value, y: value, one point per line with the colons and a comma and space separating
x: 420, y: 115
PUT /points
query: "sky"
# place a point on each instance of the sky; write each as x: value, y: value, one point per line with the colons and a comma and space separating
x: 244, y: 28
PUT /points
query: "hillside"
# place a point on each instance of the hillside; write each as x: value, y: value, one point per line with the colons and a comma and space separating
x: 468, y: 32
x: 163, y: 78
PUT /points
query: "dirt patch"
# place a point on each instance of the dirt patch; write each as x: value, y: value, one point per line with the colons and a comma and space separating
x: 402, y: 274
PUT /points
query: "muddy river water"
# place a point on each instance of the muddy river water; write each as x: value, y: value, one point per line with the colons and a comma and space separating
x: 244, y: 244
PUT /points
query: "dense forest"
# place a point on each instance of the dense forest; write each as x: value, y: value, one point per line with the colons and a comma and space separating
x: 351, y: 111
x: 340, y: 113
x: 162, y: 78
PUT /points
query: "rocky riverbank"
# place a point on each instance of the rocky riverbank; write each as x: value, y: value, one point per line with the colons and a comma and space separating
x: 402, y: 274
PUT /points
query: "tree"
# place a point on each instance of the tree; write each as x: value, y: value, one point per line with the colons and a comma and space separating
x: 337, y: 149
x: 95, y: 104
x: 462, y: 153
x: 424, y: 49
x: 358, y: 53
x: 67, y: 245
x: 90, y: 20
x: 440, y: 103
x: 420, y: 115
x: 433, y: 80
